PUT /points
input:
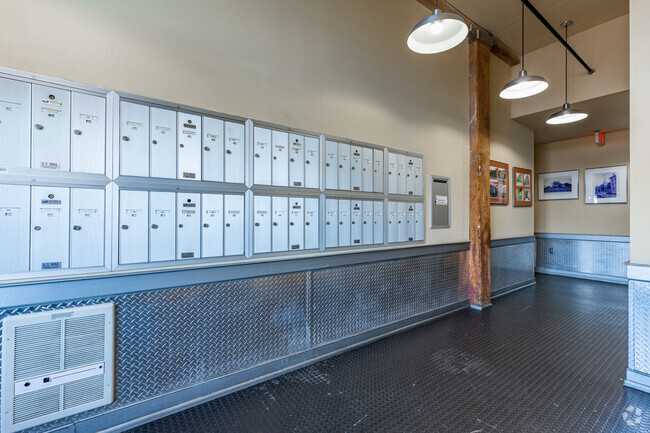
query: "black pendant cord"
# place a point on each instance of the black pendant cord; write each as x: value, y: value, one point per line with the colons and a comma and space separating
x: 523, y: 53
x: 566, y: 66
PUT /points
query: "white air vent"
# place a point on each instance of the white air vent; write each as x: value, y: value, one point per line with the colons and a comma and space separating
x: 55, y: 364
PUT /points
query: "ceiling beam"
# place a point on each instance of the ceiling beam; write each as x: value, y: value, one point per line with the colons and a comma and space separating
x: 497, y: 47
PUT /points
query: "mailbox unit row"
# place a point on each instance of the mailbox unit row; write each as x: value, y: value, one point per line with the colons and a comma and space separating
x: 361, y: 222
x: 43, y: 227
x: 169, y: 144
x: 164, y: 226
x: 51, y: 128
x: 353, y: 168
x: 285, y: 224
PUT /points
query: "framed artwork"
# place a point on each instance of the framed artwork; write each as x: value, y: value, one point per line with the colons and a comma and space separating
x: 560, y: 185
x: 523, y: 186
x: 606, y: 185
x: 498, y: 183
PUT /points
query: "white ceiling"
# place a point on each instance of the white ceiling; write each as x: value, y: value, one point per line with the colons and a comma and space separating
x: 503, y: 17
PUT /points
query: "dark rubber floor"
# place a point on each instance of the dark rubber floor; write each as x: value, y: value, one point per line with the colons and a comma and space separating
x: 549, y: 358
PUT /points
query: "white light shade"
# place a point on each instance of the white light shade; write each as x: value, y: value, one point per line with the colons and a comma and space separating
x: 436, y: 33
x: 524, y: 86
x: 566, y: 115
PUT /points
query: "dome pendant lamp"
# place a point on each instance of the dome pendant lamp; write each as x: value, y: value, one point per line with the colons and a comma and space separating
x: 525, y: 85
x: 437, y: 33
x: 566, y: 114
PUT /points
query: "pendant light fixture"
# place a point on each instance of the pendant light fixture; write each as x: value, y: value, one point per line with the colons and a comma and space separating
x: 525, y: 85
x: 438, y: 32
x: 566, y: 114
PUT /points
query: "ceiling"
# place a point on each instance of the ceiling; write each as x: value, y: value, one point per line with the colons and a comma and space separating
x: 503, y: 17
x: 607, y: 113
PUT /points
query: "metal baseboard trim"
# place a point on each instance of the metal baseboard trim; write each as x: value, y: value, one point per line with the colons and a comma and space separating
x: 131, y: 416
x: 637, y: 380
x: 513, y: 288
x: 584, y: 276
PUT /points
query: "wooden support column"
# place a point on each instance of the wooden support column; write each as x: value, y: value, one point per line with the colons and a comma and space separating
x: 479, y: 173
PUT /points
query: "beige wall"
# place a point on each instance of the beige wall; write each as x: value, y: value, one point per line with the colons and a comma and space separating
x: 605, y: 48
x: 639, y: 148
x: 511, y: 143
x: 574, y: 216
x: 335, y: 67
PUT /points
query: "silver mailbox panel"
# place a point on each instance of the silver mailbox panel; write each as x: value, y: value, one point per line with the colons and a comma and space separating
x: 392, y: 173
x: 410, y: 222
x: 14, y: 228
x: 261, y: 156
x: 88, y: 139
x: 331, y: 165
x: 419, y: 176
x: 312, y: 166
x: 262, y: 224
x: 162, y: 223
x: 401, y: 222
x: 401, y: 174
x: 212, y: 225
x: 51, y: 131
x: 50, y: 228
x: 188, y: 223
x: 296, y: 223
x: 331, y: 222
x: 419, y: 221
x: 234, y: 225
x: 133, y: 227
x: 392, y: 222
x: 378, y: 233
x: 356, y: 222
x: 367, y: 164
x: 87, y: 227
x: 368, y: 218
x: 311, y: 223
x: 344, y: 223
x: 234, y: 154
x: 296, y: 160
x: 410, y: 176
x: 15, y: 116
x: 213, y: 149
x: 280, y: 224
x: 134, y: 139
x: 189, y: 147
x: 344, y: 166
x: 280, y: 158
x: 356, y: 168
x: 379, y: 170
x: 163, y: 143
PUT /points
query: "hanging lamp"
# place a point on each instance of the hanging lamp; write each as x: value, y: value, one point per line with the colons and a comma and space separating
x: 524, y: 85
x: 438, y: 32
x: 566, y: 114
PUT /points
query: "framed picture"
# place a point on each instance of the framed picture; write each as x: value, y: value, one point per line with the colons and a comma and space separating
x: 606, y: 185
x: 523, y: 187
x: 498, y: 183
x: 560, y: 185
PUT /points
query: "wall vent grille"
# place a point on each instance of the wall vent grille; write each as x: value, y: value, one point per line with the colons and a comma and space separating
x: 58, y: 363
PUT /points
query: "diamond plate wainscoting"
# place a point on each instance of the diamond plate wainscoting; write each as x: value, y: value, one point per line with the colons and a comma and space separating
x: 600, y: 258
x: 638, y: 373
x: 194, y: 343
x: 512, y: 264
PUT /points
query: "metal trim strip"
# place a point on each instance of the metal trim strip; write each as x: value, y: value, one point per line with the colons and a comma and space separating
x: 584, y: 276
x: 496, y: 243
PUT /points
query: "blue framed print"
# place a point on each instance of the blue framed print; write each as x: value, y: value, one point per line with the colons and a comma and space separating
x: 606, y: 185
x: 559, y: 185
